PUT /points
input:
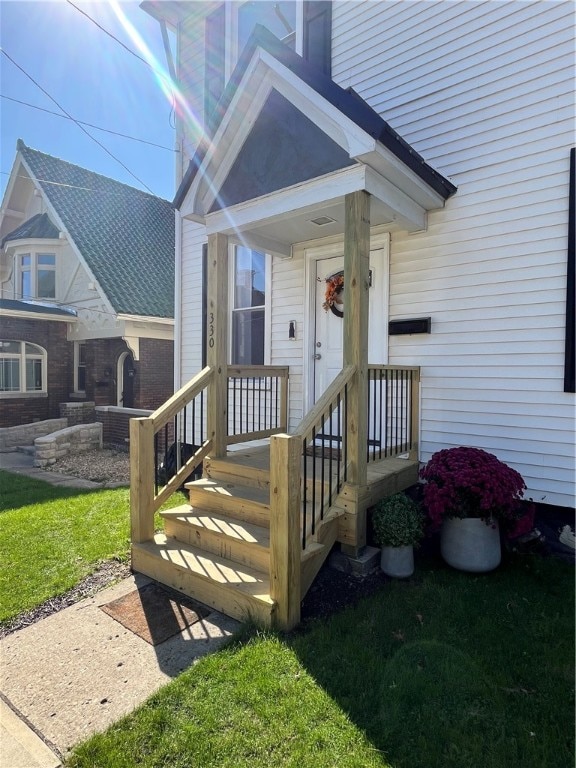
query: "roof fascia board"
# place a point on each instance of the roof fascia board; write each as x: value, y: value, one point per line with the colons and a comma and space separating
x: 317, y: 108
x: 14, y: 176
x: 17, y: 313
x: 60, y: 224
x: 386, y: 164
x: 298, y: 198
x: 29, y: 242
x: 405, y: 211
x: 142, y: 329
x: 146, y: 319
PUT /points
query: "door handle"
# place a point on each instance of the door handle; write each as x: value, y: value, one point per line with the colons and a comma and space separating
x: 317, y: 356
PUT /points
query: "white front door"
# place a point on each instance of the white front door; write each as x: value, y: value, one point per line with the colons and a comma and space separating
x: 328, y: 330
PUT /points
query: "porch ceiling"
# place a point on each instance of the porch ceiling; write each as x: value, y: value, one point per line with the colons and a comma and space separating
x: 276, y: 221
x: 287, y: 144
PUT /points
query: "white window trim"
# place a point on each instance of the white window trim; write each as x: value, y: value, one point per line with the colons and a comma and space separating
x: 22, y: 357
x: 231, y: 52
x: 77, y: 345
x: 267, y: 306
x: 34, y: 254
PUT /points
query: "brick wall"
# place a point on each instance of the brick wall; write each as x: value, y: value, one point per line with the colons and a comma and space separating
x: 78, y: 413
x: 52, y: 337
x: 116, y: 423
x: 101, y: 369
x: 154, y: 373
x: 153, y: 379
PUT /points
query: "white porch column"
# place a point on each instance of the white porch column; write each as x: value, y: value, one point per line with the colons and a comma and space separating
x: 217, y: 341
x: 355, y: 352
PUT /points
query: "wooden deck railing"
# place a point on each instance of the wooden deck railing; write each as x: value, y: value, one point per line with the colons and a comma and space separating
x: 306, y: 472
x: 180, y: 421
x: 170, y: 444
x: 257, y: 402
x: 393, y: 411
x: 309, y: 467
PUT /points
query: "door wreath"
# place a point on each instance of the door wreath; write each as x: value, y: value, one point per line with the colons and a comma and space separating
x: 333, y: 297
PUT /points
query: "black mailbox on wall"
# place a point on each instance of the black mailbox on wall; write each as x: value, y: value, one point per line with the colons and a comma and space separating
x: 412, y: 325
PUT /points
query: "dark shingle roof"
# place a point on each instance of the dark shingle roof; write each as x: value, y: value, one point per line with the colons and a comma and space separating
x: 35, y: 308
x: 39, y: 227
x: 126, y: 236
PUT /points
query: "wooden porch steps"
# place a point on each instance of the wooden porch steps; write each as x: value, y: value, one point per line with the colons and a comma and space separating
x: 229, y: 537
x: 236, y: 590
x: 216, y: 549
x: 244, y: 502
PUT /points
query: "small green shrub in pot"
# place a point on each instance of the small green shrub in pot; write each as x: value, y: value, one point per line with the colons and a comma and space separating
x: 397, y: 522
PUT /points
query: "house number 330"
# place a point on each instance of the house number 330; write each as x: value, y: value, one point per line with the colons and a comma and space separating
x: 211, y: 330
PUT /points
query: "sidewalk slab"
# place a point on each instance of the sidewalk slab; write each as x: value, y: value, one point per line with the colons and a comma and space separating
x: 21, y: 747
x: 79, y: 670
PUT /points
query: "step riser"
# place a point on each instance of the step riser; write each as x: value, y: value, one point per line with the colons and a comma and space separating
x: 241, y: 509
x: 224, y: 472
x: 245, y: 553
x: 218, y: 596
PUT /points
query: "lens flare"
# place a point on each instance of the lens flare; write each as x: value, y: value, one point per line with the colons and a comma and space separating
x: 174, y: 96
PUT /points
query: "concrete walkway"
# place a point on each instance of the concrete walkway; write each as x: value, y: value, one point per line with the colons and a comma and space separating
x: 78, y: 670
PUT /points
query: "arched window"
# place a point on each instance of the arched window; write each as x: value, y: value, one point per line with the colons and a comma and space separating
x: 22, y: 368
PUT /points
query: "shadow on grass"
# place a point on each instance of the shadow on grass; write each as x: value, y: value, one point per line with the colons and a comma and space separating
x: 19, y: 491
x: 453, y: 669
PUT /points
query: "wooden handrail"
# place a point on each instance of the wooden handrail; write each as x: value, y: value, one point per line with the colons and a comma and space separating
x: 181, y: 398
x: 320, y: 407
x: 383, y: 367
x: 256, y: 371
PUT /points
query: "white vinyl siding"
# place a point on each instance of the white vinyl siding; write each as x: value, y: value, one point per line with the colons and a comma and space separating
x: 190, y: 289
x: 288, y: 294
x: 484, y: 91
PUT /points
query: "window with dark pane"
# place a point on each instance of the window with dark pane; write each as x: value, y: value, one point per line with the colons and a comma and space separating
x: 279, y: 18
x: 248, y: 312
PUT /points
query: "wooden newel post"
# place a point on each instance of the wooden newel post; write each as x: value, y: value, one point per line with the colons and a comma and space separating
x: 141, y: 480
x: 415, y: 416
x: 285, y: 546
x: 217, y: 342
x: 355, y: 347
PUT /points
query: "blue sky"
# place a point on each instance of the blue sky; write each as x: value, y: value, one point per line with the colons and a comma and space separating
x: 96, y: 80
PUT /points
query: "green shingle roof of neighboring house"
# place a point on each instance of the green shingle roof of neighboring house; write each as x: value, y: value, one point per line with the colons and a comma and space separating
x: 125, y: 236
x: 35, y: 307
x: 39, y: 227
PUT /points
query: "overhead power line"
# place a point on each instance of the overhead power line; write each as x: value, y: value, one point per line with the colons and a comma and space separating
x: 106, y: 32
x: 94, y: 139
x: 76, y: 186
x: 90, y: 125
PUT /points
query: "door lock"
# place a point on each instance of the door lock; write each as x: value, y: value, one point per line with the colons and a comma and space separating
x: 317, y: 356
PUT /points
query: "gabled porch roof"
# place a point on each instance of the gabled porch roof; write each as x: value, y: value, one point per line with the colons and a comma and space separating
x: 285, y: 145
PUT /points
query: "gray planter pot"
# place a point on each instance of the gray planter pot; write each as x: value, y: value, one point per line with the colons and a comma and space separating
x: 398, y: 561
x: 470, y: 544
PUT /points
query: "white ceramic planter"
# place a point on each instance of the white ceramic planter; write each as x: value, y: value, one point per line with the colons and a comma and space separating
x: 398, y: 561
x: 470, y: 544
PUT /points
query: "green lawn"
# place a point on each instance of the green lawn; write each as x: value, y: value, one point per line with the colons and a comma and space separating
x: 52, y: 537
x: 447, y: 670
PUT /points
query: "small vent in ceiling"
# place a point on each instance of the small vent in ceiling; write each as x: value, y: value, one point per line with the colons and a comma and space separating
x: 321, y: 221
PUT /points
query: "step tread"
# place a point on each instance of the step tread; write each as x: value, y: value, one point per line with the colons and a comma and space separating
x: 226, y: 525
x: 244, y: 492
x: 220, y: 570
